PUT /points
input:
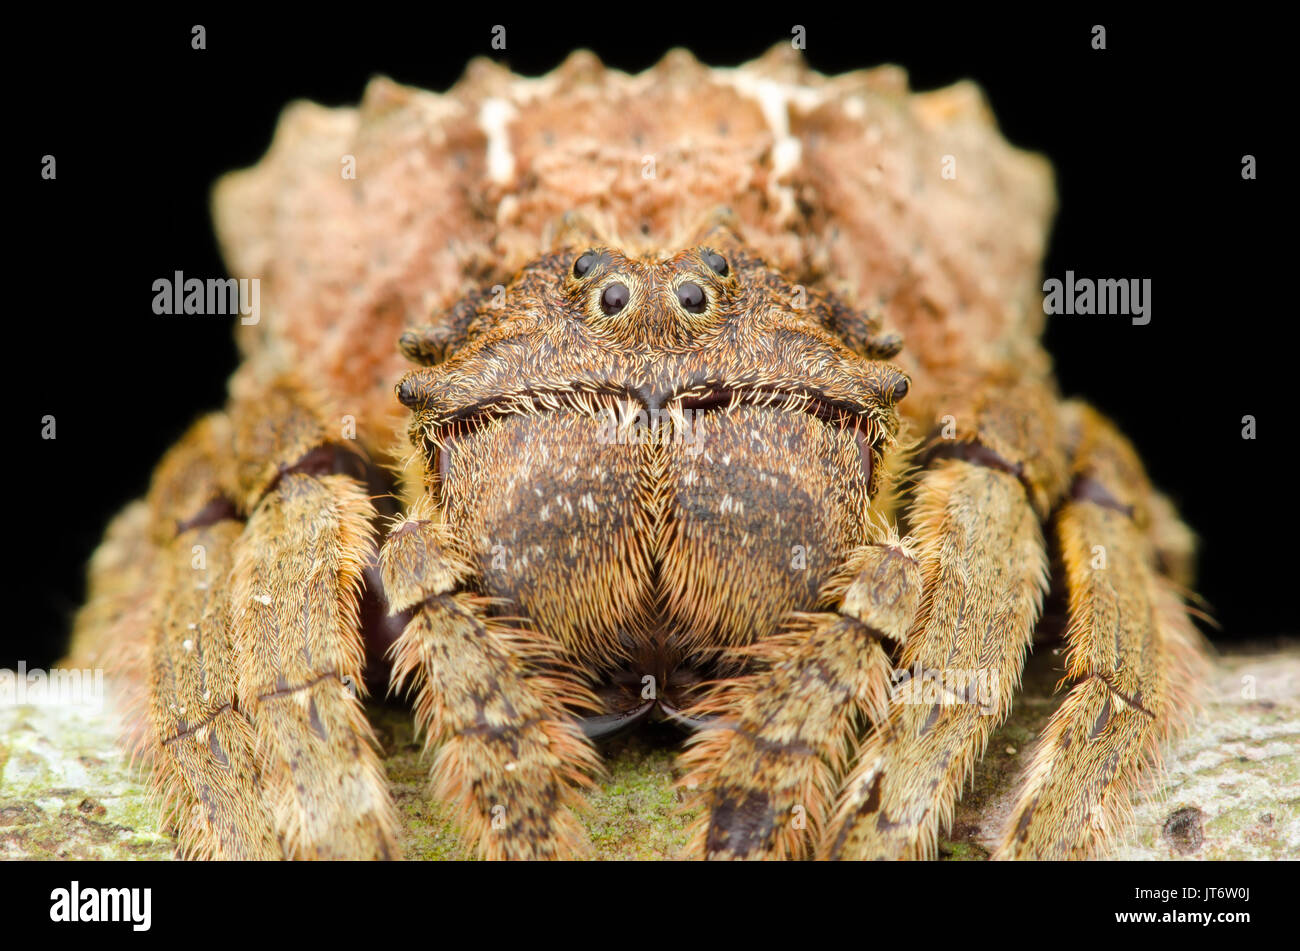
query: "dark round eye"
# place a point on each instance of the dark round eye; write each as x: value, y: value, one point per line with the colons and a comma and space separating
x: 716, y: 261
x: 583, y: 264
x: 614, y: 299
x: 691, y: 296
x: 899, y: 390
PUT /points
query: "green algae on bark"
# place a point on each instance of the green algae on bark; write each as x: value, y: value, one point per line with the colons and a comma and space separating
x: 1231, y: 788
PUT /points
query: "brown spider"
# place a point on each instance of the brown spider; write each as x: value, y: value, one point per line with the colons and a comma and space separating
x: 653, y: 476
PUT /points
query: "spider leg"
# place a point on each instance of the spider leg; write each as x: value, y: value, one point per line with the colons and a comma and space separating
x: 1133, y: 656
x: 294, y: 587
x: 230, y: 596
x: 159, y: 614
x: 204, y: 758
x: 767, y: 767
x: 975, y: 519
x: 491, y: 697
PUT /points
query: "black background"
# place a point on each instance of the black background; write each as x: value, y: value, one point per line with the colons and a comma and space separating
x: 1146, y: 138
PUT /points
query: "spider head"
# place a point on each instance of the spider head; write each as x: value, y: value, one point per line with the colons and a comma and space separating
x: 595, y: 327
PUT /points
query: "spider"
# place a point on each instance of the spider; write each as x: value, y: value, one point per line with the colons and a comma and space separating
x: 794, y: 476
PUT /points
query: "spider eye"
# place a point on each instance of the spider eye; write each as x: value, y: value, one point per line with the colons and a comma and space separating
x: 691, y: 296
x: 583, y: 264
x: 614, y: 299
x: 717, y: 262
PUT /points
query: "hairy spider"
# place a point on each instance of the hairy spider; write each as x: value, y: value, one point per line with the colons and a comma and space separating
x: 658, y: 461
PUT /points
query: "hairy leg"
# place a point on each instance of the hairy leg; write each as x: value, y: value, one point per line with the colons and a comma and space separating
x: 204, y: 760
x: 1133, y: 655
x: 768, y: 767
x: 295, y: 585
x: 975, y: 518
x: 158, y: 618
x: 492, y: 699
x: 238, y: 622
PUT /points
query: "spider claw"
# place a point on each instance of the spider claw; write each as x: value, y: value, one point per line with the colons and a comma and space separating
x: 609, y: 724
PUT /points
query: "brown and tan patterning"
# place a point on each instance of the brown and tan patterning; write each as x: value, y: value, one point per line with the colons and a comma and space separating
x: 730, y: 468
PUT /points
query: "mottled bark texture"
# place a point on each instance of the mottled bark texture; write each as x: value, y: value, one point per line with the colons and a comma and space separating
x: 1231, y: 789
